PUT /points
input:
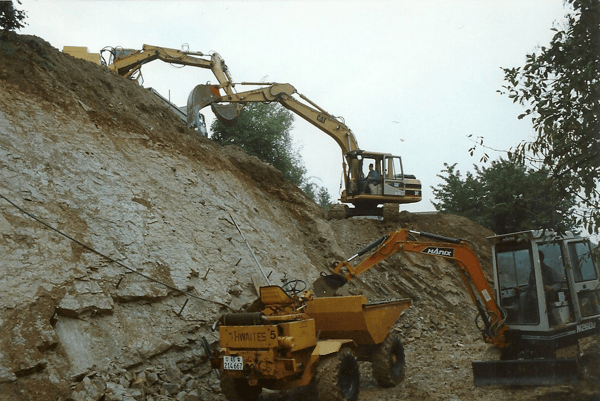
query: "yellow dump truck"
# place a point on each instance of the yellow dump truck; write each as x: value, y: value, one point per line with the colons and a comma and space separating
x: 289, y: 338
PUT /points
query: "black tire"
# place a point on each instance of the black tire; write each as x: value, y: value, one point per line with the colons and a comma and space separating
x: 338, y: 377
x: 239, y: 389
x: 388, y: 362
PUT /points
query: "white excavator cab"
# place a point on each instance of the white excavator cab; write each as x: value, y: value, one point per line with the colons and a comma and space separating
x: 549, y: 286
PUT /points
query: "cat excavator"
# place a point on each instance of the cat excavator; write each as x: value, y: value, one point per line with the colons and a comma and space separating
x: 387, y: 185
x: 128, y: 62
x: 546, y: 297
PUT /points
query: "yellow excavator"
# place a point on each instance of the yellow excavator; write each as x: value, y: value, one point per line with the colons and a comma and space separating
x: 372, y: 179
x: 546, y: 297
x: 128, y: 62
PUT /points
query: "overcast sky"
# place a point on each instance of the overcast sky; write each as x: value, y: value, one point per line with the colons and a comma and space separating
x: 412, y: 78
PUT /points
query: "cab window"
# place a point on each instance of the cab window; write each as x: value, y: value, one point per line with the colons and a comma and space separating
x: 514, y: 268
x: 581, y: 262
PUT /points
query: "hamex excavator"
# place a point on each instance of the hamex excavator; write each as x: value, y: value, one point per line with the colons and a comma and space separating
x: 528, y: 317
x: 388, y: 187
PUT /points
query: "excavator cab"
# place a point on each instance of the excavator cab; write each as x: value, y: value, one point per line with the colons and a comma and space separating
x: 548, y: 284
x: 373, y: 179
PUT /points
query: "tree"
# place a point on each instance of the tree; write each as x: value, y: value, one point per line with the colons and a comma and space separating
x: 560, y: 88
x: 458, y: 196
x: 10, y: 17
x: 263, y: 130
x: 506, y: 197
x: 318, y: 194
x: 323, y: 198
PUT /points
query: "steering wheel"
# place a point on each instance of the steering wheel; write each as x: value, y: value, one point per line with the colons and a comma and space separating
x: 294, y: 287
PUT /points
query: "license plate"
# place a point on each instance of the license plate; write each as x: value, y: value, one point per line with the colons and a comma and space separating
x: 233, y: 363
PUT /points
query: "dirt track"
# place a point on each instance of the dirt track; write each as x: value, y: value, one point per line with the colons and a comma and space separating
x: 103, y: 160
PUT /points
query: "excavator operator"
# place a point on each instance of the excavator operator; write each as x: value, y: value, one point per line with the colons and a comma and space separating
x: 372, y: 179
x: 551, y: 282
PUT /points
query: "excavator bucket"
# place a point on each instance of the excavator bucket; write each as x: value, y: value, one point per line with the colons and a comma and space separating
x: 203, y: 95
x: 327, y: 284
x: 227, y: 113
x: 200, y: 97
x: 525, y: 372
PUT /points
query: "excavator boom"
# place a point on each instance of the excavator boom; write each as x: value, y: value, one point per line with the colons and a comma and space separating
x: 128, y: 62
x: 453, y: 249
x: 282, y: 93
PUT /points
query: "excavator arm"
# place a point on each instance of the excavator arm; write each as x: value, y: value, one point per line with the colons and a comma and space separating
x: 283, y: 94
x: 453, y: 249
x: 128, y: 62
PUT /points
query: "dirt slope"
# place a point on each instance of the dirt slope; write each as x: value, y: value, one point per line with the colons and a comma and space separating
x: 136, y: 248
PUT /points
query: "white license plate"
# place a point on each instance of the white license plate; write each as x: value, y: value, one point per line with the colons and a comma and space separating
x: 233, y: 363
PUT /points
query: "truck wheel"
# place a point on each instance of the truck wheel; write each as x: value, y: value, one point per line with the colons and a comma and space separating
x: 238, y: 389
x: 388, y: 362
x: 338, y: 377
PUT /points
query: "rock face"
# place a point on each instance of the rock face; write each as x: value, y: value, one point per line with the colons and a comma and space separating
x: 124, y: 236
x: 136, y: 217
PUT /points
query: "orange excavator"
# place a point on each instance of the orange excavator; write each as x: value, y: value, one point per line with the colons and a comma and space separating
x: 525, y: 316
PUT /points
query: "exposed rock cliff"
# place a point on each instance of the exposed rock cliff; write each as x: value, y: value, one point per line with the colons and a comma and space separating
x: 125, y: 235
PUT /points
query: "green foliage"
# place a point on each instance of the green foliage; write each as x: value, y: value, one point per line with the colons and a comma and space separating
x: 10, y: 17
x: 506, y: 197
x: 560, y: 88
x: 263, y: 130
x: 319, y: 194
x: 323, y: 198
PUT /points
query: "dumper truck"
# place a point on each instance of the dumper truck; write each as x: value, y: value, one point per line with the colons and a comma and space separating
x: 288, y: 338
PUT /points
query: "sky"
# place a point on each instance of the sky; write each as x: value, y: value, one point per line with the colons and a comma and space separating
x: 417, y: 79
